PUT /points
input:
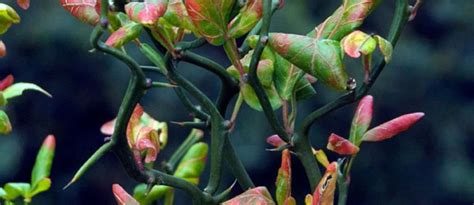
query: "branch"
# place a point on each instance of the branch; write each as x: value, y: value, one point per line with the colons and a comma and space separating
x: 399, y: 21
x: 255, y: 82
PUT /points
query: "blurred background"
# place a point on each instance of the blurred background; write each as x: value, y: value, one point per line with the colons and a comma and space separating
x: 431, y: 72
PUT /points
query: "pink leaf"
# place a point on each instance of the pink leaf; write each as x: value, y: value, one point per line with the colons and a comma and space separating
x: 124, y: 34
x: 275, y: 141
x: 24, y: 4
x: 122, y: 197
x: 341, y: 145
x: 84, y: 10
x: 147, y: 141
x: 393, y: 127
x: 147, y: 12
x: 255, y: 196
x: 362, y: 119
x: 6, y: 82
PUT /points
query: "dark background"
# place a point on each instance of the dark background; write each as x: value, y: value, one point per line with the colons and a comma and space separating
x: 431, y: 71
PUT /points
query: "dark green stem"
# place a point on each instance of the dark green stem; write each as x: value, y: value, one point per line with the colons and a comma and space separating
x: 255, y: 82
x: 236, y: 166
x: 218, y: 128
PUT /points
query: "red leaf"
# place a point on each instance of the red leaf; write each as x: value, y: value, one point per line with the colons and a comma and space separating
x: 393, y: 127
x: 84, y: 10
x: 122, y: 197
x: 324, y: 193
x: 6, y: 82
x: 341, y: 145
x: 147, y: 141
x: 133, y: 124
x: 24, y: 4
x: 283, y: 182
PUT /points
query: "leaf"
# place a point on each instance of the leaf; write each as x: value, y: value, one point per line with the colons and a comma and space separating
x: 8, y: 16
x: 122, y: 197
x: 5, y: 125
x: 393, y: 127
x: 44, y: 161
x: 308, y: 200
x: 341, y: 146
x: 247, y: 18
x: 385, y: 47
x: 210, y: 17
x: 147, y: 142
x: 362, y: 119
x: 85, y: 10
x: 193, y: 163
x: 345, y: 19
x: 286, y: 76
x: 16, y: 189
x: 124, y: 34
x: 321, y: 58
x: 3, y: 49
x: 177, y: 15
x: 7, y: 82
x: 304, y: 89
x: 255, y: 196
x: 146, y: 13
x: 358, y: 42
x: 3, y: 194
x: 17, y: 89
x: 252, y: 100
x: 42, y: 186
x: 146, y: 197
x: 283, y: 182
x: 275, y: 141
x: 324, y: 193
x: 24, y: 4
x: 321, y: 157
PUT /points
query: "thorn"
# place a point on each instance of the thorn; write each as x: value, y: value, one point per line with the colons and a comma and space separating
x: 69, y: 184
x: 414, y: 9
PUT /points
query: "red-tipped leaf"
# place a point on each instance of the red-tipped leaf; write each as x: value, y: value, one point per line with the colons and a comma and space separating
x: 341, y: 145
x: 24, y: 4
x: 275, y: 141
x: 283, y: 182
x: 362, y: 119
x: 84, y: 10
x: 147, y: 12
x: 122, y: 197
x: 393, y: 127
x: 324, y: 193
x: 6, y: 82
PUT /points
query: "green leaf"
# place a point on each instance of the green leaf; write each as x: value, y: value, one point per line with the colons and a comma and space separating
x: 5, y: 125
x: 41, y: 186
x: 321, y: 58
x: 124, y: 34
x: 3, y: 194
x: 385, y: 47
x: 283, y: 182
x: 193, y: 163
x: 252, y: 100
x: 248, y: 17
x: 210, y: 17
x: 17, y: 89
x: 177, y: 15
x: 153, y: 56
x: 286, y: 76
x: 44, y: 161
x: 8, y: 16
x: 304, y: 90
x: 357, y: 43
x: 141, y: 194
x: 345, y: 19
x: 16, y: 189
